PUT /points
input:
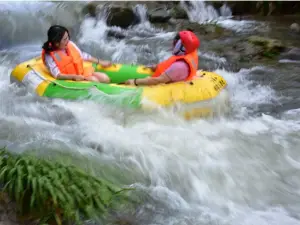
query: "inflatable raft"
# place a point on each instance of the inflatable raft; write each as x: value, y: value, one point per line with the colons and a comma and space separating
x: 193, y: 98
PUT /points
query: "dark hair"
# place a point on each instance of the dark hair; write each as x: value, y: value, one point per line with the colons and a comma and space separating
x: 55, y: 34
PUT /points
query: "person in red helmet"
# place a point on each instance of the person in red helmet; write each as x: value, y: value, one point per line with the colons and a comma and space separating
x: 181, y: 66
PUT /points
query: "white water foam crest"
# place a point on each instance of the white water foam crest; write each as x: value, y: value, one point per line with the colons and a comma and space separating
x: 245, y: 94
x: 141, y: 11
x: 31, y: 6
x: 222, y: 171
x: 213, y: 57
x: 289, y: 61
x: 93, y: 32
x: 242, y: 25
x: 200, y: 12
x: 272, y: 216
x: 200, y: 157
x: 225, y: 11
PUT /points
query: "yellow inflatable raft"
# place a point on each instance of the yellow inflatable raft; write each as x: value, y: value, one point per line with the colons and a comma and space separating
x: 195, y: 98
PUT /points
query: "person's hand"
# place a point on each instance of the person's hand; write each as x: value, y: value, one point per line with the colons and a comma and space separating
x: 105, y: 63
x: 152, y: 67
x: 199, y: 73
x: 78, y: 77
x: 129, y: 82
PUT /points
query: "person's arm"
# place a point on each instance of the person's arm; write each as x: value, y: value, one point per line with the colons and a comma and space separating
x: 162, y: 79
x: 152, y: 67
x: 103, y: 63
x: 87, y: 57
x: 178, y: 71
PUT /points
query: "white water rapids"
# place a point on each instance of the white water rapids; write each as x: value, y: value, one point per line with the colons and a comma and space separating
x: 239, y: 170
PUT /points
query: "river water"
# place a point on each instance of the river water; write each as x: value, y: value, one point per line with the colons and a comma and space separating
x: 239, y: 170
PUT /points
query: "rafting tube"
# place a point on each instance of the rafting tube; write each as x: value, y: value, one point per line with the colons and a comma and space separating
x: 189, y: 98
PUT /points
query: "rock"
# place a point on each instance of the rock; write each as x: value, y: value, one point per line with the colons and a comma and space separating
x: 265, y: 8
x: 215, y: 4
x: 293, y: 54
x: 91, y: 9
x: 159, y: 15
x: 248, y: 52
x: 206, y: 31
x: 271, y: 47
x: 121, y: 16
x: 168, y: 4
x: 178, y: 12
x: 210, y: 31
x: 188, y: 4
x: 115, y: 34
x: 287, y: 7
x: 242, y: 7
x: 239, y: 51
x: 295, y: 27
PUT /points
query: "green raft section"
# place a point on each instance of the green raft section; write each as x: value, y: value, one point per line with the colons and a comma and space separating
x: 123, y: 72
x: 108, y: 93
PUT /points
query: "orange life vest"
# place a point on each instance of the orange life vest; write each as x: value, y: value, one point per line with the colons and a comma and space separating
x: 70, y: 63
x: 191, y: 59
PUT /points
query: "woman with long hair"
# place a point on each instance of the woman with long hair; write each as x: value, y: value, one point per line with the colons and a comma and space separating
x: 64, y: 59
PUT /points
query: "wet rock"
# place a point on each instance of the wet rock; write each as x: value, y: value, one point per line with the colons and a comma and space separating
x: 215, y: 4
x: 91, y: 9
x: 208, y: 31
x: 265, y: 8
x: 178, y: 12
x: 117, y: 13
x: 115, y: 34
x: 271, y: 47
x: 293, y: 54
x: 159, y: 15
x: 295, y: 27
x: 121, y: 16
x: 241, y: 7
x: 167, y: 4
x: 286, y: 7
x: 240, y: 51
x: 95, y: 146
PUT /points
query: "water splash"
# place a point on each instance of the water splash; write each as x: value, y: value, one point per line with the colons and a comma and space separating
x: 141, y: 11
x: 225, y: 11
x: 200, y: 12
x: 222, y: 171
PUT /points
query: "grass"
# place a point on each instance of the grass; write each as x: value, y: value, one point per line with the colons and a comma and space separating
x: 55, y: 193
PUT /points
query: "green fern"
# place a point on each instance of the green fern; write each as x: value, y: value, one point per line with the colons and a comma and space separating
x: 54, y: 191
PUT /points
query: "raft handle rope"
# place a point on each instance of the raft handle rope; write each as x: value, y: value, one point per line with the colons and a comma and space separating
x: 56, y: 83
x: 66, y: 87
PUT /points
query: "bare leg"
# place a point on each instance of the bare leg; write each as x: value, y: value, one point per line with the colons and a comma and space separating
x: 102, y: 77
x: 92, y: 78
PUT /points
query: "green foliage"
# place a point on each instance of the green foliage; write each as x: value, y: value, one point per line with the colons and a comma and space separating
x: 56, y: 192
x: 94, y: 165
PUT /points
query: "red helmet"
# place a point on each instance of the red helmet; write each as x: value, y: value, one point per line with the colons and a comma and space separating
x: 189, y: 40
